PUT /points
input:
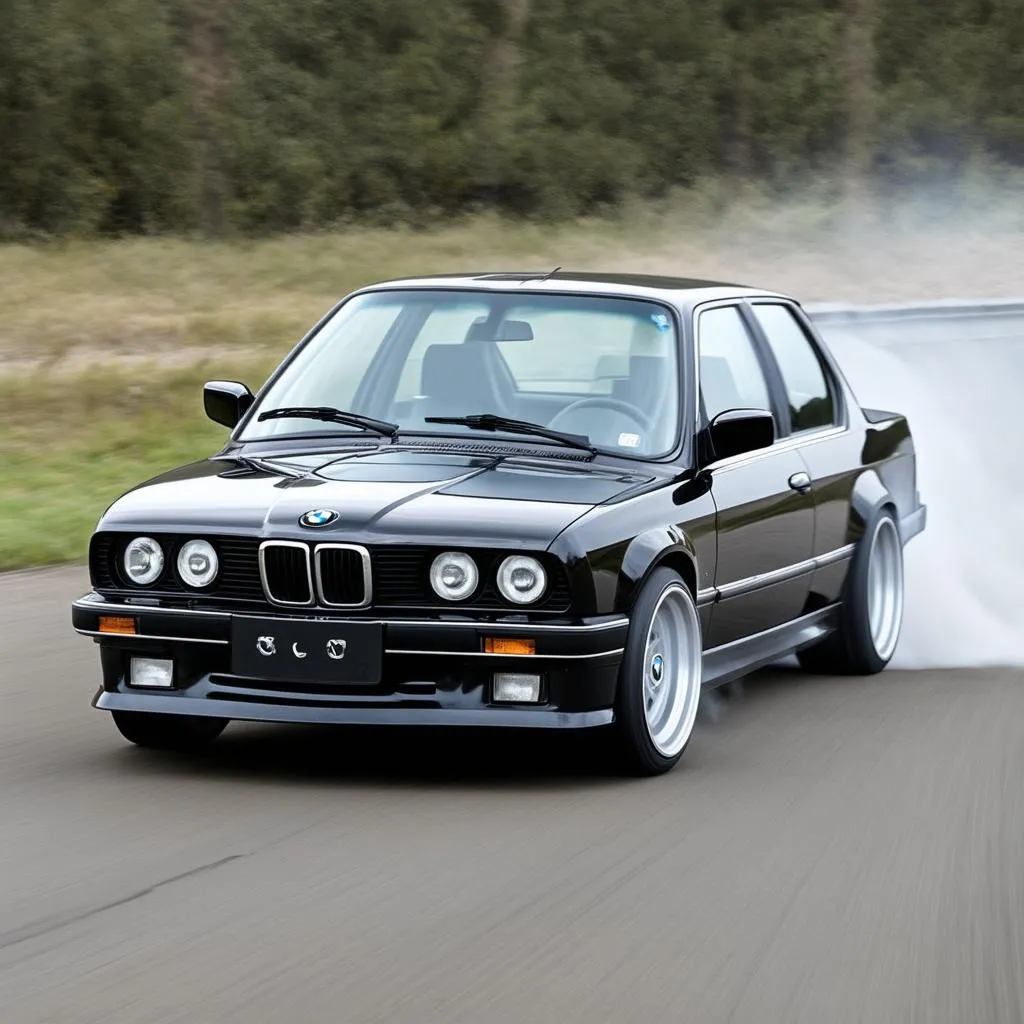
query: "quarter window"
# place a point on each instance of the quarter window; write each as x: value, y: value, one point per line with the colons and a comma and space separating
x: 730, y: 371
x: 810, y: 399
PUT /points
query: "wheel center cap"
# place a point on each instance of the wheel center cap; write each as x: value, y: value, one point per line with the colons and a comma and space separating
x: 657, y: 668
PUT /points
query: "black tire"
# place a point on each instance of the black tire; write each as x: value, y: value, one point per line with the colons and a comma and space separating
x: 637, y: 749
x: 852, y: 649
x: 168, y: 732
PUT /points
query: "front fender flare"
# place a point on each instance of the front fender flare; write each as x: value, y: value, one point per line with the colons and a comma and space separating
x: 662, y: 546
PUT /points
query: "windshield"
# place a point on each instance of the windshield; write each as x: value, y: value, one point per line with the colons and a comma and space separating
x: 605, y: 368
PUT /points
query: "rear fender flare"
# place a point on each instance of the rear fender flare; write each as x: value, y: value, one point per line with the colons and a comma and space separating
x: 868, y: 496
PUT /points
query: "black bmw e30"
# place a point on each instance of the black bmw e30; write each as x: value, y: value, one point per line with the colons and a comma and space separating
x: 560, y: 500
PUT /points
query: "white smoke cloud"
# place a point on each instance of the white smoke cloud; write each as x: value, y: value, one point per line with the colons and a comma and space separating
x: 964, y: 399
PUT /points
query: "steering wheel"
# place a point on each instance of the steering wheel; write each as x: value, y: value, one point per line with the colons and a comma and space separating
x: 605, y: 402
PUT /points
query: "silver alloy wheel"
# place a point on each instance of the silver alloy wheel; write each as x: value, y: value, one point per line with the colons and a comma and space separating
x: 672, y: 670
x: 885, y: 588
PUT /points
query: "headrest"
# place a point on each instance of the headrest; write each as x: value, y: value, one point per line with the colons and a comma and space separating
x: 455, y: 370
x: 648, y: 381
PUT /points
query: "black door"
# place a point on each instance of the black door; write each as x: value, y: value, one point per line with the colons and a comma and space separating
x: 817, y: 424
x: 765, y: 512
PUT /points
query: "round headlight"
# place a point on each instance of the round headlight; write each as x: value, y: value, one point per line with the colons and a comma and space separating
x: 197, y: 563
x: 453, y: 575
x: 143, y: 560
x: 521, y: 579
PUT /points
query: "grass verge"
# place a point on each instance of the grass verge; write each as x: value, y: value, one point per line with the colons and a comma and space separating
x: 70, y: 445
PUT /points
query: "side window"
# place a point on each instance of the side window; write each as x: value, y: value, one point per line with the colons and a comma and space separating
x: 810, y: 400
x: 730, y: 371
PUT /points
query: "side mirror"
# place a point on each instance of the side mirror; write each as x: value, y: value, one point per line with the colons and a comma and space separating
x: 738, y: 431
x: 226, y: 401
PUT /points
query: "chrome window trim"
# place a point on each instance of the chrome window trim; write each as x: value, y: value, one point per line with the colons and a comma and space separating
x: 750, y: 584
x: 367, y: 575
x: 705, y: 307
x: 840, y: 411
x: 784, y: 444
x: 263, y: 573
x: 792, y: 440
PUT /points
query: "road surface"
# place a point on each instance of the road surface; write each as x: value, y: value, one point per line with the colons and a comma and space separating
x: 830, y: 850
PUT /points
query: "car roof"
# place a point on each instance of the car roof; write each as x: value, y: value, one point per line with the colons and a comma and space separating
x: 682, y: 290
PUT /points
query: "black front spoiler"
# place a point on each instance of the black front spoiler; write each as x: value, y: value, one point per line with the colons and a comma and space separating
x: 377, y: 714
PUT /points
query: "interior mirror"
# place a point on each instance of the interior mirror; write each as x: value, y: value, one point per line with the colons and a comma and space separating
x: 507, y: 330
x: 738, y: 431
x: 226, y: 401
x: 514, y: 330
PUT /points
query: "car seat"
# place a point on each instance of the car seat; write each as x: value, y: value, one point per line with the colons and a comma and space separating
x: 648, y: 386
x: 460, y: 380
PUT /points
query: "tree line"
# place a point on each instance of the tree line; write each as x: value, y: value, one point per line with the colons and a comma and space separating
x: 136, y: 116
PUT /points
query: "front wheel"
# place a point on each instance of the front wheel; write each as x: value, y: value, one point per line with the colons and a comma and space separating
x: 168, y: 732
x: 871, y: 614
x: 660, y: 675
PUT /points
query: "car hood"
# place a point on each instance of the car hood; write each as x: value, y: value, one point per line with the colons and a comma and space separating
x: 380, y: 496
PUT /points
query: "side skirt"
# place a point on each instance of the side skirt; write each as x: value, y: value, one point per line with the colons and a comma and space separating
x: 733, y: 660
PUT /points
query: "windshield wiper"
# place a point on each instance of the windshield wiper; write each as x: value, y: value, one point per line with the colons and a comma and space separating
x: 331, y: 415
x: 489, y: 421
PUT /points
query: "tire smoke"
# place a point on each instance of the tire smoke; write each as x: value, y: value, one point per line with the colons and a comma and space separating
x: 964, y: 398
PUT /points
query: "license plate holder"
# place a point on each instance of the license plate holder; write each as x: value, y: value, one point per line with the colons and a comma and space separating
x: 320, y: 652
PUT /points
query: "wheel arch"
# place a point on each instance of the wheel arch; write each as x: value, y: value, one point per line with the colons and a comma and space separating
x: 649, y: 551
x: 869, y: 497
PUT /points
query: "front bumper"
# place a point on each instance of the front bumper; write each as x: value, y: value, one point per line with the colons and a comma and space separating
x: 434, y: 671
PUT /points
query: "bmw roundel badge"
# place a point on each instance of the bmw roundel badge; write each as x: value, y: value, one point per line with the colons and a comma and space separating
x: 318, y: 517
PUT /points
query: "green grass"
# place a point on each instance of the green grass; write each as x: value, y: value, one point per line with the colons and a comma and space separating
x: 69, y: 446
x: 104, y: 346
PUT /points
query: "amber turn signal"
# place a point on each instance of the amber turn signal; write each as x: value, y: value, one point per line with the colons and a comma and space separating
x: 117, y: 624
x: 497, y: 645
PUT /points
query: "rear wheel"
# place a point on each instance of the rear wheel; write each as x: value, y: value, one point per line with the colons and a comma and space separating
x: 871, y: 613
x: 660, y: 676
x: 168, y: 732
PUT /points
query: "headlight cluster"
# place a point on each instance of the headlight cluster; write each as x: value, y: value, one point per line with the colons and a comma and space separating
x: 520, y: 579
x: 144, y: 562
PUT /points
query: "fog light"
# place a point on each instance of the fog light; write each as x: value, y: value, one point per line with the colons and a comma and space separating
x: 157, y: 672
x: 515, y: 688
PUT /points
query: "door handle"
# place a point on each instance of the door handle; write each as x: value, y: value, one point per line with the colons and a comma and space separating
x: 800, y: 482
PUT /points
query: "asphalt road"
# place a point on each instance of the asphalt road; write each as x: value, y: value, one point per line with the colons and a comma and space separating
x: 830, y: 850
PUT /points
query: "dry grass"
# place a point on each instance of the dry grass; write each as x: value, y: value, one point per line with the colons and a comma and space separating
x: 104, y: 346
x: 69, y: 304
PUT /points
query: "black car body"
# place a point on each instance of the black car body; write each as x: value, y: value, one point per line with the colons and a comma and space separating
x: 715, y: 450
